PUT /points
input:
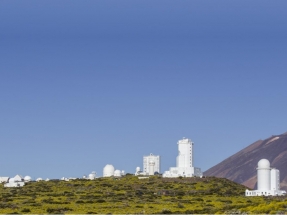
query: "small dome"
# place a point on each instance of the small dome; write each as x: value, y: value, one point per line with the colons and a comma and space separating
x: 39, y: 179
x: 92, y: 176
x: 138, y: 169
x: 27, y: 178
x: 117, y: 173
x: 264, y: 163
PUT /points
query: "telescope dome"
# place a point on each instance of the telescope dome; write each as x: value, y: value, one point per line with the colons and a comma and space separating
x: 264, y: 163
x: 27, y: 178
x: 117, y: 173
x: 109, y: 170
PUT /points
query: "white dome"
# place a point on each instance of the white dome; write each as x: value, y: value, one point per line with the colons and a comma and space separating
x: 27, y: 178
x: 39, y: 179
x: 138, y: 169
x: 11, y: 180
x: 117, y: 173
x: 92, y: 176
x: 108, y: 170
x: 264, y: 163
x: 47, y: 179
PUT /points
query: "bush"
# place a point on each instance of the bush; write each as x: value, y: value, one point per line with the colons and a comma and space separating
x: 26, y: 210
x: 166, y: 211
x: 100, y: 201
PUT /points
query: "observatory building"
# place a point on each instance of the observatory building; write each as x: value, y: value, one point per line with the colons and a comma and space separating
x: 151, y: 164
x: 109, y: 170
x: 184, y: 161
x: 268, y: 181
x: 92, y: 175
x: 17, y: 181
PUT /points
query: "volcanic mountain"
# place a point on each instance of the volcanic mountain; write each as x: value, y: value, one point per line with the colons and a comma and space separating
x: 241, y: 167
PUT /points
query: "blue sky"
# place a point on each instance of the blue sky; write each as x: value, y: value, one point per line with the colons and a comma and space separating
x: 89, y: 83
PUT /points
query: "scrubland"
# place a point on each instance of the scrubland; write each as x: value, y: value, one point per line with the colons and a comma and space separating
x: 130, y: 195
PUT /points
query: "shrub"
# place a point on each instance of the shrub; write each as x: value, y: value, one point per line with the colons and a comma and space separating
x: 26, y: 210
x: 166, y: 211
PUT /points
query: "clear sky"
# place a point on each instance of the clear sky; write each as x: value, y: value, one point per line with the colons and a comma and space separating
x: 89, y: 83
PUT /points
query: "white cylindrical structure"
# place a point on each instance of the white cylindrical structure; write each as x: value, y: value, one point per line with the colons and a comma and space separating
x: 108, y: 170
x: 138, y: 169
x: 275, y: 179
x: 151, y: 167
x: 263, y: 175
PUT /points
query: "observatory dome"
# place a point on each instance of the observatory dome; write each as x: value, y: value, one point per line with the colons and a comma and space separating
x: 117, y: 173
x: 27, y: 178
x: 39, y: 179
x: 92, y: 176
x: 138, y: 169
x: 264, y: 163
x: 108, y: 170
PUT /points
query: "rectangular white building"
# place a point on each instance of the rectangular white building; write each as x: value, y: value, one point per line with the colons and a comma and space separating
x: 151, y: 164
x: 275, y: 179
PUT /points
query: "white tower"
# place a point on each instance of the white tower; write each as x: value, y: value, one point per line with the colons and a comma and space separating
x: 184, y: 161
x: 263, y: 175
x: 146, y: 163
x: 185, y: 153
x: 268, y: 181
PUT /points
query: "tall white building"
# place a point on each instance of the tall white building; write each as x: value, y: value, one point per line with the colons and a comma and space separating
x: 184, y: 161
x: 151, y: 164
x: 268, y: 181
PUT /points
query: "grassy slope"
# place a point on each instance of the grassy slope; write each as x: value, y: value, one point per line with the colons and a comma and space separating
x: 131, y: 195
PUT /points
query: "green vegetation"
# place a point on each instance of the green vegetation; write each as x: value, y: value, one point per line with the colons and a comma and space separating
x: 132, y: 195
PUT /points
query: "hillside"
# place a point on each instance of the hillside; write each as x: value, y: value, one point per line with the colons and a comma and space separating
x: 132, y: 195
x: 241, y: 167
